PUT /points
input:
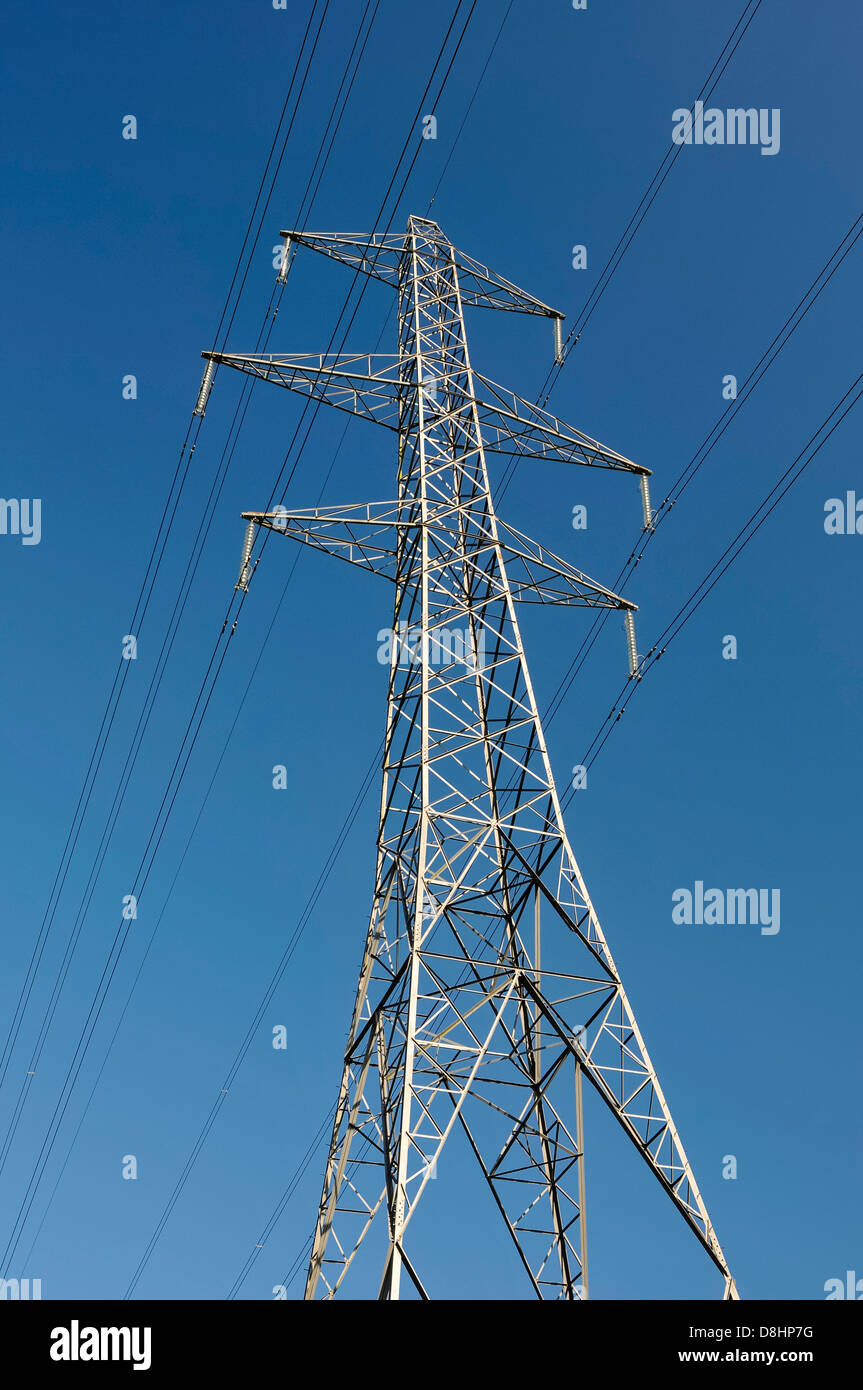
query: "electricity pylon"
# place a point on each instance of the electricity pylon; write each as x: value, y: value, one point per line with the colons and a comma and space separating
x: 487, y: 991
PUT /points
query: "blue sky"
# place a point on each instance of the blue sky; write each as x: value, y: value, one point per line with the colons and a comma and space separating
x: 735, y: 773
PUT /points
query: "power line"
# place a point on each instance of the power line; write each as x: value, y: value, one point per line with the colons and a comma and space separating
x: 768, y: 357
x: 296, y: 1178
x: 726, y: 559
x: 629, y: 232
x: 144, y: 868
x: 358, y: 800
x: 626, y: 238
x: 180, y: 603
x: 136, y: 625
x: 645, y: 209
x: 173, y: 626
x: 365, y: 786
x: 755, y: 376
x: 210, y: 667
x: 470, y: 104
x: 759, y: 1
x: 311, y: 902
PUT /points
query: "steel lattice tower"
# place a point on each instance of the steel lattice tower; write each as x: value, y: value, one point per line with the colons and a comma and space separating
x: 487, y: 990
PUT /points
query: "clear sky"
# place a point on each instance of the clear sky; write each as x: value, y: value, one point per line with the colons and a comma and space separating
x: 744, y: 772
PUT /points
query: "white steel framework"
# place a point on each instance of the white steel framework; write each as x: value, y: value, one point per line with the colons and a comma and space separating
x: 487, y: 990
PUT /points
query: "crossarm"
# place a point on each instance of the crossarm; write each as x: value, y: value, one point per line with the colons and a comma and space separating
x: 372, y: 385
x: 366, y: 534
x: 379, y: 255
